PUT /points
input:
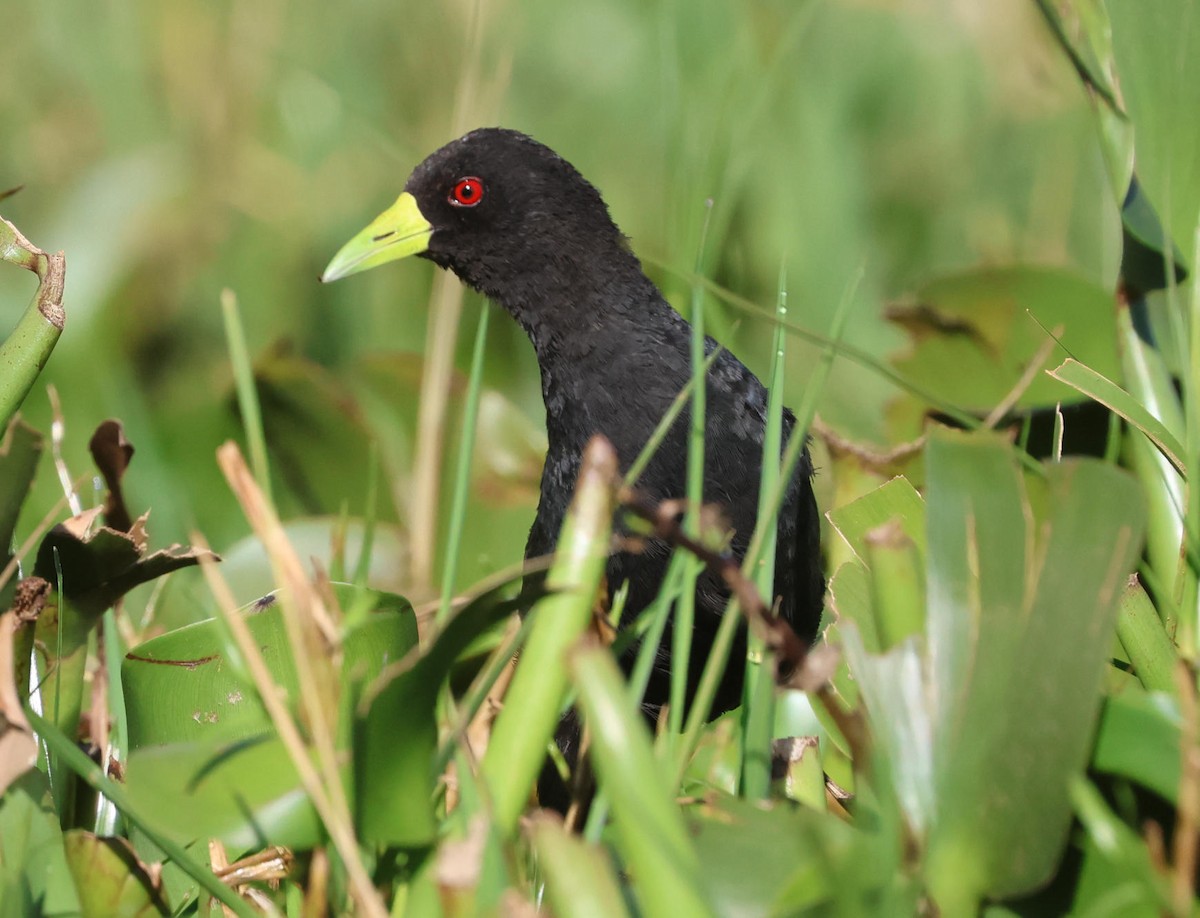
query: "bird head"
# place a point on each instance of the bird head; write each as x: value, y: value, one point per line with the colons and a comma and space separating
x: 497, y: 208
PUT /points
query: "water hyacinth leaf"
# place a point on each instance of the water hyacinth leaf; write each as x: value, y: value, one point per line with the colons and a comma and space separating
x: 201, y: 739
x: 1139, y: 739
x: 1125, y: 859
x: 111, y: 881
x: 753, y: 857
x: 1020, y: 619
x: 395, y: 733
x: 580, y: 881
x: 893, y: 500
x: 245, y: 792
x: 34, y: 877
x: 994, y: 321
x: 185, y: 685
x: 1157, y: 48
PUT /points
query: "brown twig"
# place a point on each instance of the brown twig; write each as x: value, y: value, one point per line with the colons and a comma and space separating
x: 777, y: 635
x: 796, y: 666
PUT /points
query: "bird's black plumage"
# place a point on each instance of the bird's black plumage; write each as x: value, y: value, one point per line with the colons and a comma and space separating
x: 535, y: 237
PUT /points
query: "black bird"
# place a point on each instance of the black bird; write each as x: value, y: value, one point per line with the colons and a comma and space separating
x: 519, y: 224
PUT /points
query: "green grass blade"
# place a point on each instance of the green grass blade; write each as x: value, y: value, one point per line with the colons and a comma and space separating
x: 247, y: 391
x: 758, y: 699
x: 462, y: 476
x: 1116, y: 399
x: 719, y: 656
x: 685, y: 608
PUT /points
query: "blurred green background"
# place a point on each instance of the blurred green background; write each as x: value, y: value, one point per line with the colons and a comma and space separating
x: 177, y: 149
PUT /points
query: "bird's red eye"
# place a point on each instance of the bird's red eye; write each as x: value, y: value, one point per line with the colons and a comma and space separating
x: 467, y: 192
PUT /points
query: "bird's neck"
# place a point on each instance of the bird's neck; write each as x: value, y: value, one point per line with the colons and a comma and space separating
x: 598, y: 315
x: 612, y: 352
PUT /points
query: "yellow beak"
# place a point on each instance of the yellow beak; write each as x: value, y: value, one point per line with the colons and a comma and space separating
x: 398, y: 232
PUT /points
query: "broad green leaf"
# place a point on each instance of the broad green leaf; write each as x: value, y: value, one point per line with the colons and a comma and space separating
x: 1139, y: 739
x: 245, y: 792
x: 1020, y: 620
x: 396, y: 729
x: 973, y: 335
x: 1133, y: 882
x: 204, y: 752
x: 752, y: 857
x: 894, y: 500
x: 1157, y: 48
x: 580, y: 880
x: 111, y: 881
x: 186, y: 685
x: 33, y: 868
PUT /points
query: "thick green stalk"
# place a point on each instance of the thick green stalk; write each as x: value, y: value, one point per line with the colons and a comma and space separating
x: 531, y: 706
x: 25, y: 352
x: 1144, y: 638
x: 650, y: 831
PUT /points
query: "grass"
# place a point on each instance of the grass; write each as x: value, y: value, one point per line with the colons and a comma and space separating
x: 223, y: 152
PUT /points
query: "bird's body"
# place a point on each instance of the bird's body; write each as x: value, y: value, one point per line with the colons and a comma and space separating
x: 518, y: 223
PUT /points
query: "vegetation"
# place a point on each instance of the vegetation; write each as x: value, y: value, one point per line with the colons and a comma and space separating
x: 987, y: 219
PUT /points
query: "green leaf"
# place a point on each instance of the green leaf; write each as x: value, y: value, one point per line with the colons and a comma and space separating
x: 1139, y: 739
x: 33, y: 869
x: 396, y: 730
x: 650, y: 832
x: 894, y: 500
x: 245, y: 792
x: 755, y: 857
x: 186, y: 685
x: 1133, y: 882
x: 994, y: 321
x: 580, y: 882
x: 202, y: 743
x: 1157, y: 49
x: 1020, y: 619
x: 111, y: 881
x: 1107, y: 393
